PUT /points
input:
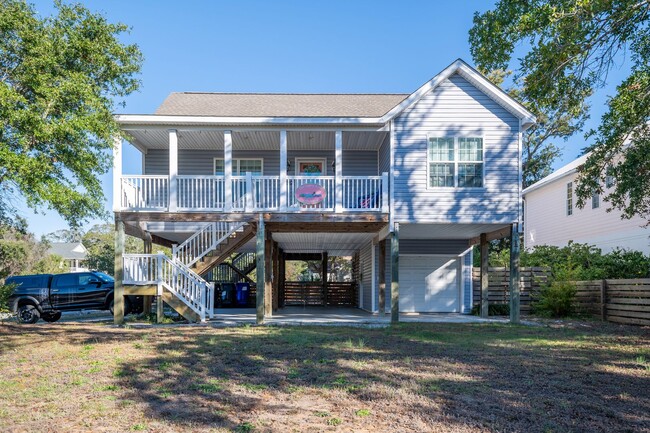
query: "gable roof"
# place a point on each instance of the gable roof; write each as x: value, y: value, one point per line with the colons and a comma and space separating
x: 278, y: 104
x: 477, y: 79
x: 195, y: 108
x: 68, y: 250
x: 561, y: 172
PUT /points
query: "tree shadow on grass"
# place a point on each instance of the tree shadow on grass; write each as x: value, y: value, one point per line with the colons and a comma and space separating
x: 476, y: 375
x: 415, y: 376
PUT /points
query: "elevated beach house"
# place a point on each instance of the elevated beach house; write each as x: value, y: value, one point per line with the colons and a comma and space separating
x: 404, y: 184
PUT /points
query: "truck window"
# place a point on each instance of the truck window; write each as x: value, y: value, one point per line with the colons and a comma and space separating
x: 67, y: 280
x: 85, y: 279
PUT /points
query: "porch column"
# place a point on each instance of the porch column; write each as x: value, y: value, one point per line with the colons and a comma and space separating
x: 276, y: 273
x: 394, y: 287
x: 281, y: 277
x: 283, y: 171
x: 118, y: 291
x: 485, y: 254
x: 268, y: 274
x: 227, y: 169
x: 514, y: 273
x: 323, y: 275
x: 338, y: 175
x: 117, y: 173
x: 259, y: 296
x: 382, y: 277
x: 173, y: 170
x: 147, y: 300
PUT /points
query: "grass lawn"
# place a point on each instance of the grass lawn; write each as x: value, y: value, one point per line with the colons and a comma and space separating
x: 69, y: 377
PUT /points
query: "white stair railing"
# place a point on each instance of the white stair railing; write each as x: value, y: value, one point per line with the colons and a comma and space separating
x: 186, y: 285
x: 203, y: 241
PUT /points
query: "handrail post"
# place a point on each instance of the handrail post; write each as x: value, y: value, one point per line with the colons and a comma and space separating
x: 384, y: 192
x: 283, y: 171
x: 173, y: 171
x: 227, y: 169
x: 249, y: 192
x: 338, y: 174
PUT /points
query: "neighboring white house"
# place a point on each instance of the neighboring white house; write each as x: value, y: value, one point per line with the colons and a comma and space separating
x: 74, y: 254
x: 551, y: 216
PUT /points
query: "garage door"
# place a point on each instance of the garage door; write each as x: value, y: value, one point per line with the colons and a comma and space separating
x: 428, y: 284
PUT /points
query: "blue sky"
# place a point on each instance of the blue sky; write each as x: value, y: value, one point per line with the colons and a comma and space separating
x: 289, y: 46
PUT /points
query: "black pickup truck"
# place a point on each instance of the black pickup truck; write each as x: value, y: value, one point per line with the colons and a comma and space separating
x: 46, y: 296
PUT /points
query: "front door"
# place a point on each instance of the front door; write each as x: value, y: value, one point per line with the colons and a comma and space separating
x: 311, y: 166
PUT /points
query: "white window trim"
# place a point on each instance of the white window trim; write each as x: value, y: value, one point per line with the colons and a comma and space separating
x: 455, y: 162
x: 568, y: 210
x: 298, y: 160
x: 235, y: 165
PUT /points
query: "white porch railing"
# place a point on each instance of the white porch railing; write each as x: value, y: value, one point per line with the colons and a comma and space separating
x: 201, y: 193
x: 327, y: 182
x: 145, y: 192
x: 187, y: 286
x: 203, y: 241
x: 253, y: 193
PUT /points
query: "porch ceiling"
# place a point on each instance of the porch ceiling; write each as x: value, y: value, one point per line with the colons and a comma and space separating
x: 155, y: 138
x: 336, y: 244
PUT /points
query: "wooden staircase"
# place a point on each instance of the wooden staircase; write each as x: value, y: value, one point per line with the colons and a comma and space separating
x: 217, y: 256
x: 181, y: 307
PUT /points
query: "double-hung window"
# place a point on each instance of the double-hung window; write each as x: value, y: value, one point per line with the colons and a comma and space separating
x: 569, y: 198
x: 455, y: 162
x: 239, y: 167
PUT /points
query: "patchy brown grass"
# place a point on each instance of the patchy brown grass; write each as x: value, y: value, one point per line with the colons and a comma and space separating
x: 409, y: 378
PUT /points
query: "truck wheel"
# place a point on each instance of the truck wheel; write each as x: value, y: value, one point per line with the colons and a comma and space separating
x: 51, y: 317
x: 127, y: 306
x: 28, y: 314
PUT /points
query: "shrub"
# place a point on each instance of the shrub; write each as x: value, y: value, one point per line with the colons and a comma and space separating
x: 5, y: 293
x: 557, y: 299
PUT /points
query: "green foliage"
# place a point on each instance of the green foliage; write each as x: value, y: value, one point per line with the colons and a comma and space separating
x: 59, y: 76
x: 557, y: 299
x: 21, y: 253
x: 570, y: 48
x: 5, y: 292
x: 588, y: 263
x: 100, y: 243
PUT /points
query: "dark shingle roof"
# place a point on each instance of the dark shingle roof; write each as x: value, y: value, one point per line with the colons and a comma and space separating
x: 278, y: 104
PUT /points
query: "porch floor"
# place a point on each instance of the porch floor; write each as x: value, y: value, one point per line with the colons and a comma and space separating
x: 342, y: 316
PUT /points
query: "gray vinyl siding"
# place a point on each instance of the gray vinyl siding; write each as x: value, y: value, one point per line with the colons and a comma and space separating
x: 359, y: 163
x: 365, y: 266
x: 433, y: 246
x: 467, y: 282
x: 456, y: 108
x: 383, y: 156
x: 200, y: 162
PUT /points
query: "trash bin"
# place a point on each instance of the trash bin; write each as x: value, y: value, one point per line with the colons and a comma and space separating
x: 217, y: 295
x: 242, y: 292
x: 227, y: 295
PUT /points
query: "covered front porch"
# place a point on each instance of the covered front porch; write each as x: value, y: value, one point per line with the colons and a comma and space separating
x: 245, y: 171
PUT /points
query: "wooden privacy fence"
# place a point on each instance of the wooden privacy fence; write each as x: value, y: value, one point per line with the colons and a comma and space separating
x: 619, y: 301
x: 313, y: 293
x: 530, y: 282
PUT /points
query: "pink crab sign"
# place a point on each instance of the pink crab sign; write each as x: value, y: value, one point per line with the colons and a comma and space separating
x: 310, y: 193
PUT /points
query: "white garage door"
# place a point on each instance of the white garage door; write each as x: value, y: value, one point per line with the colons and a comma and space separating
x: 428, y: 284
